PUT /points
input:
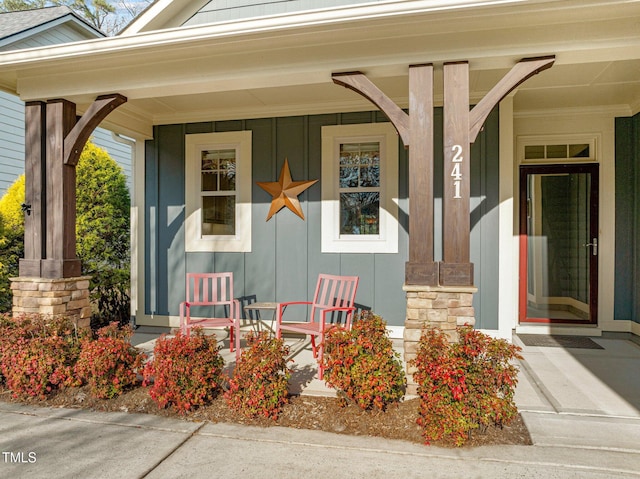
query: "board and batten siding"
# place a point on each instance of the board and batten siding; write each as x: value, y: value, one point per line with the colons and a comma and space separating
x: 286, y: 256
x: 627, y: 211
x: 12, y: 143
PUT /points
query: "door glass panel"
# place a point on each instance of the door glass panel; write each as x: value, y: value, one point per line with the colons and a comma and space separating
x: 559, y: 246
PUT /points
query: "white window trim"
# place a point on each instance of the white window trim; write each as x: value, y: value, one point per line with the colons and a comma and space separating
x: 387, y: 240
x: 194, y: 144
x: 592, y: 139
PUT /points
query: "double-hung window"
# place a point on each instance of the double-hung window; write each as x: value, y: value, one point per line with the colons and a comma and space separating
x: 218, y: 192
x: 360, y: 188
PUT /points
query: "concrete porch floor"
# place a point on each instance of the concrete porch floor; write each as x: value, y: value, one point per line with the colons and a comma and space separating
x: 304, y: 378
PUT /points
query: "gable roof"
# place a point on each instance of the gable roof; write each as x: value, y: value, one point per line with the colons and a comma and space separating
x: 15, y: 26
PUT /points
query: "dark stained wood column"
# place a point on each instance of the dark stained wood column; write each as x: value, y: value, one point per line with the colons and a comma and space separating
x: 34, y: 190
x: 421, y: 269
x: 61, y: 260
x: 456, y: 268
x: 55, y: 138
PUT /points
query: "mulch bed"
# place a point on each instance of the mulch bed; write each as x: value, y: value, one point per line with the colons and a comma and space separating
x: 303, y: 412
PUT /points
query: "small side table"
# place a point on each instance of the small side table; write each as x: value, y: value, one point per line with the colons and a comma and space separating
x: 254, y: 312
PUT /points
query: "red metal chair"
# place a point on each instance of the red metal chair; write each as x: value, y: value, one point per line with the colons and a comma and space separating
x: 334, y: 299
x: 215, y: 291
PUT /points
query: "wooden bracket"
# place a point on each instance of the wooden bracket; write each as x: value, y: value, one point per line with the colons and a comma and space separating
x: 359, y: 83
x: 521, y: 72
x: 76, y: 139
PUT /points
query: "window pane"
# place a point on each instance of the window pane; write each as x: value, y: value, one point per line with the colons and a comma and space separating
x: 219, y: 170
x: 534, y: 152
x: 579, y: 151
x: 360, y: 165
x: 218, y: 215
x: 348, y: 177
x: 359, y: 213
x: 209, y: 181
x: 370, y: 176
x: 556, y: 151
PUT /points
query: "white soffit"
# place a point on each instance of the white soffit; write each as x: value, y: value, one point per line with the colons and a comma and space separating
x: 283, y: 65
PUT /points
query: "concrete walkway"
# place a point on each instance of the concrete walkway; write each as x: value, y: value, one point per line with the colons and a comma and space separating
x: 581, y: 406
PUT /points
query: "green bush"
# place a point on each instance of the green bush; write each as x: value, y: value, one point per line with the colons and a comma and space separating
x: 102, y: 232
x: 259, y: 386
x: 11, y: 239
x: 362, y: 365
x: 185, y: 371
x: 464, y: 386
x: 102, y: 235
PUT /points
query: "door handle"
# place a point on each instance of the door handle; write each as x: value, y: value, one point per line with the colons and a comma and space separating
x: 595, y: 246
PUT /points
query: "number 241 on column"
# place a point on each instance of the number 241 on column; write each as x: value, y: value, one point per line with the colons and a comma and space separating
x: 456, y: 173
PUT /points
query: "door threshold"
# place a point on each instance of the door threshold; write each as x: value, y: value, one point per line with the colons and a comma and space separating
x: 560, y: 329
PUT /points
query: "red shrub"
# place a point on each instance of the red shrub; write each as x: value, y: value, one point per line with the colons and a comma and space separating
x: 465, y: 385
x: 259, y: 386
x: 37, y: 354
x: 109, y: 362
x: 185, y: 371
x: 362, y: 364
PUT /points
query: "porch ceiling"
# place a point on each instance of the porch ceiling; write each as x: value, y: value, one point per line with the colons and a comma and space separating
x: 264, y: 68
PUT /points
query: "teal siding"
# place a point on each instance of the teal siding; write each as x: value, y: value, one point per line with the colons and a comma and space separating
x: 485, y: 199
x: 285, y: 259
x: 627, y: 252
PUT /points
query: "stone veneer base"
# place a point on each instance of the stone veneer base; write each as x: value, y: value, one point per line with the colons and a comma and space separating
x: 428, y: 307
x: 67, y: 297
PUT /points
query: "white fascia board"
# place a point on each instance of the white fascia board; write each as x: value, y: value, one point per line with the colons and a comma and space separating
x: 280, y: 28
x: 160, y: 13
x: 255, y: 26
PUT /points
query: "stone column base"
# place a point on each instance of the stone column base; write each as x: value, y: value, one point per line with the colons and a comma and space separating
x: 66, y: 297
x: 428, y: 307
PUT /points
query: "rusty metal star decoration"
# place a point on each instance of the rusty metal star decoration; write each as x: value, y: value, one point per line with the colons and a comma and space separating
x: 284, y: 192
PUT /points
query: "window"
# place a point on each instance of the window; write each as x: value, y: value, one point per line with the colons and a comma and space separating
x: 359, y: 188
x: 218, y: 192
x: 556, y: 149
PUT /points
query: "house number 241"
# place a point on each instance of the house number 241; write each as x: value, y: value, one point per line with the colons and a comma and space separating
x: 456, y: 173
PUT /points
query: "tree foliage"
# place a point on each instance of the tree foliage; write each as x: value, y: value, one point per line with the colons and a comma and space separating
x: 102, y: 234
x: 11, y: 239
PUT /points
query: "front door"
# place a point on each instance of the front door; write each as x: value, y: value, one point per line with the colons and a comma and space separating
x: 559, y: 244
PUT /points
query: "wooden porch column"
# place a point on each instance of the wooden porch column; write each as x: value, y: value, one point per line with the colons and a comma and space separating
x: 61, y: 260
x: 421, y: 269
x: 55, y: 138
x: 456, y: 269
x: 34, y: 190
